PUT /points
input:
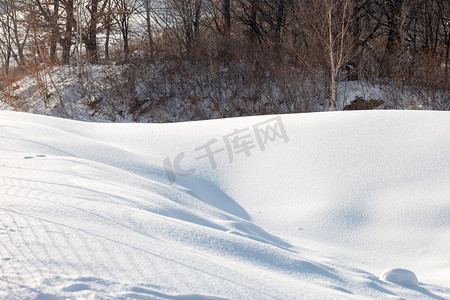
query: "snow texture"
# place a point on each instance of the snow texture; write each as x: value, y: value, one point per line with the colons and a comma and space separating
x: 400, y: 276
x: 303, y: 206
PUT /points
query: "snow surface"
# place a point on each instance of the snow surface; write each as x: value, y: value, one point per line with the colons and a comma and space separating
x: 400, y: 276
x: 87, y: 210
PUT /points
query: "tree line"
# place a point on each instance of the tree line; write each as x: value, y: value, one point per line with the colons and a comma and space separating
x: 328, y: 41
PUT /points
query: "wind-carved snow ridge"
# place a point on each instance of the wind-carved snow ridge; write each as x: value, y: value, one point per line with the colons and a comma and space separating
x: 87, y: 210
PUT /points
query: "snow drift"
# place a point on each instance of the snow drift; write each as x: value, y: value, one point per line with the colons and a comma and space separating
x: 291, y: 206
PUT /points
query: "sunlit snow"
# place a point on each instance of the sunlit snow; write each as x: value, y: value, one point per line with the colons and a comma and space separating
x: 303, y: 206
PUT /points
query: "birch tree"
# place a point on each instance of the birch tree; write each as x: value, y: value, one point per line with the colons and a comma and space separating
x: 326, y: 28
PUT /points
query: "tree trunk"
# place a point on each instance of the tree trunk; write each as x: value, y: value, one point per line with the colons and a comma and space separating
x: 353, y: 67
x: 66, y: 42
x: 124, y: 29
x: 280, y: 21
x: 394, y: 9
x: 148, y: 22
x: 334, y: 71
x: 90, y: 38
x: 108, y: 33
x: 253, y: 17
x: 226, y: 12
x: 54, y: 35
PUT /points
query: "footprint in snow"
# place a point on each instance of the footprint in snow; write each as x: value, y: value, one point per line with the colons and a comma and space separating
x: 30, y: 157
x: 76, y: 287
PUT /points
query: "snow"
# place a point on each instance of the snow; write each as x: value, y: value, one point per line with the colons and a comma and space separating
x: 318, y: 211
x: 400, y: 276
x: 107, y: 93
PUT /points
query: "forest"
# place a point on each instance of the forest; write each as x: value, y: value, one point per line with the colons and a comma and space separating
x: 177, y: 60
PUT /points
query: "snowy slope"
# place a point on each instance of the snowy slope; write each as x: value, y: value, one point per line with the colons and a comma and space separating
x: 318, y: 207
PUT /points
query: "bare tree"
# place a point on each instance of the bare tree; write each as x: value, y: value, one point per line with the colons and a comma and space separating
x: 15, y: 32
x: 95, y: 9
x: 326, y: 29
x: 70, y: 24
x: 226, y: 12
x: 124, y: 9
x: 148, y: 21
x: 6, y: 38
x: 49, y: 12
x: 187, y: 16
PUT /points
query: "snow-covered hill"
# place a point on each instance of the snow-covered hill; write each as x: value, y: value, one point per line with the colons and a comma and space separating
x: 310, y: 206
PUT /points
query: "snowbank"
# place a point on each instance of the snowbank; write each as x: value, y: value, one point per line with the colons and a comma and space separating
x: 400, y: 276
x: 306, y: 206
